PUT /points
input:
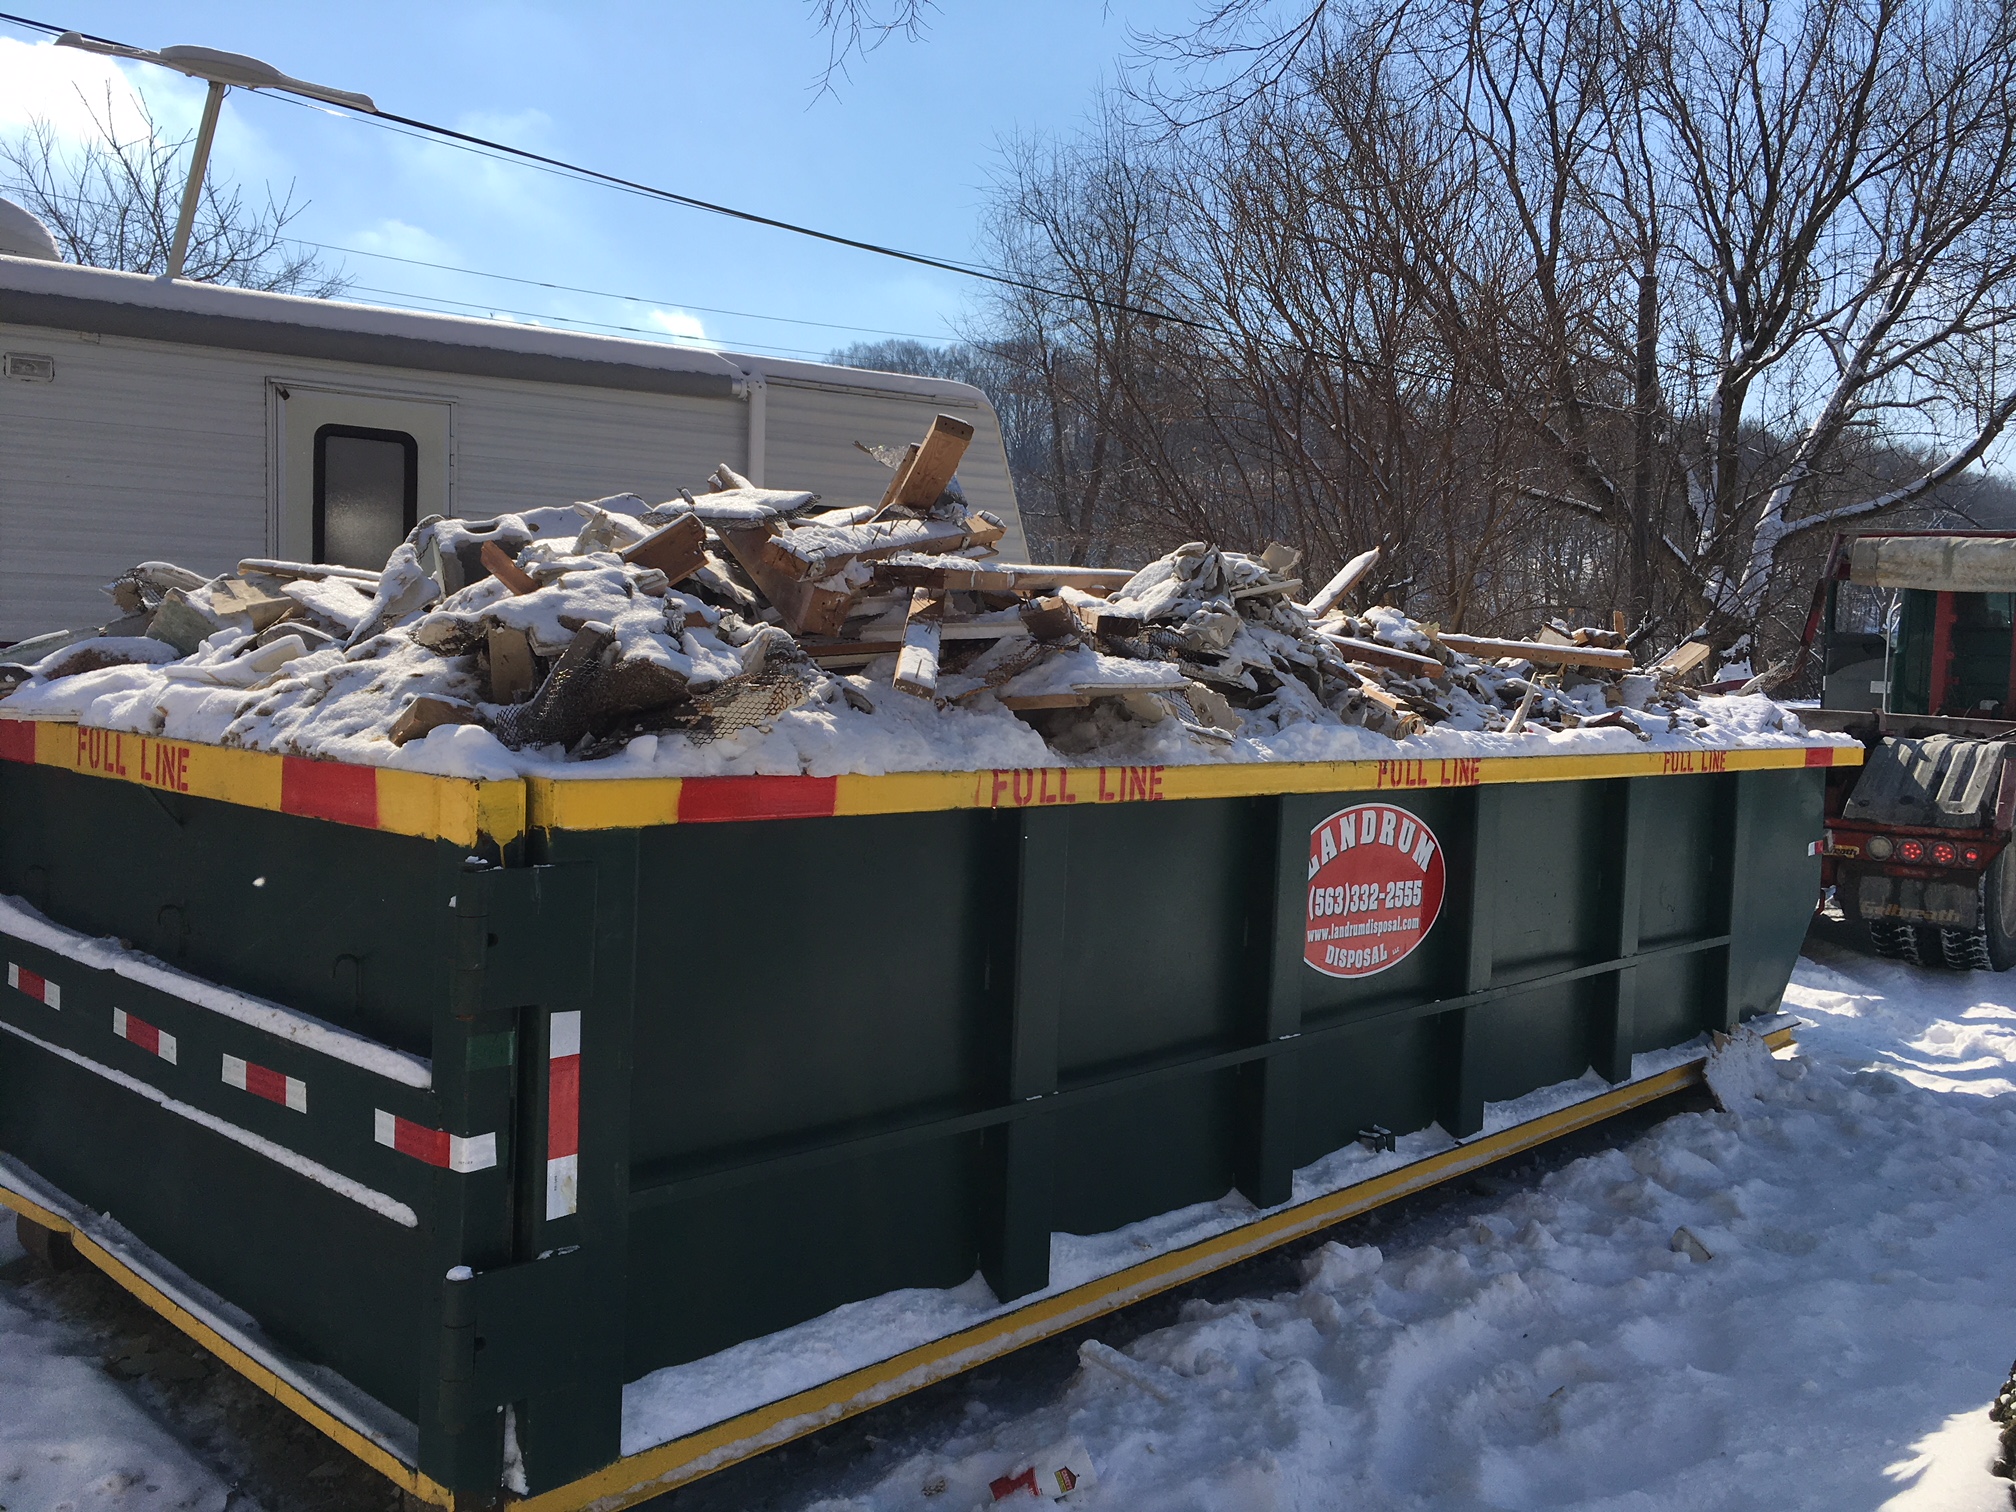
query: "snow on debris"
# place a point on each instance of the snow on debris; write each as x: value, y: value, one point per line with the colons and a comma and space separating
x: 744, y: 631
x: 1566, y: 1346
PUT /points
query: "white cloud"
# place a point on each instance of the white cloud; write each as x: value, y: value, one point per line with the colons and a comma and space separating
x: 687, y: 330
x: 67, y: 87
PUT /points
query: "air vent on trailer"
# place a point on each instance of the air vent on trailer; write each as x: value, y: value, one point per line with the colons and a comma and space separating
x: 35, y: 369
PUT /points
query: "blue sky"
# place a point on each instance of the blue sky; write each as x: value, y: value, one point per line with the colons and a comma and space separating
x: 711, y: 100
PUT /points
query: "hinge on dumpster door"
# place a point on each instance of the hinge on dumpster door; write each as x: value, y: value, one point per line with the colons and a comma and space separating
x: 537, y: 934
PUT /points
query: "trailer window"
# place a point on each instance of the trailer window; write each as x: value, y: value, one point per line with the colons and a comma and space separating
x: 367, y: 492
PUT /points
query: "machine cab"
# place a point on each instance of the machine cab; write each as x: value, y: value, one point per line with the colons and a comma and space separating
x: 1922, y: 624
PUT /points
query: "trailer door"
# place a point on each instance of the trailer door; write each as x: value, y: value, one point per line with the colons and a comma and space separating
x: 355, y: 470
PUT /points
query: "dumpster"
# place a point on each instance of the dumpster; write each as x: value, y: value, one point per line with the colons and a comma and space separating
x: 517, y: 1133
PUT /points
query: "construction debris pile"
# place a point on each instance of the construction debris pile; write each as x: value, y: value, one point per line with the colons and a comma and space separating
x: 574, y: 633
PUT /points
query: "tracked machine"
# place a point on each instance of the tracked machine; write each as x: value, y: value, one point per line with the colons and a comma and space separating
x: 1916, y: 631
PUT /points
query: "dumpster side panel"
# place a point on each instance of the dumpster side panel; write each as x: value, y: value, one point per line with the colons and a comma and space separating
x: 1386, y: 1075
x: 337, y: 921
x: 1135, y: 1154
x: 1774, y: 880
x: 1555, y: 877
x: 713, y: 1269
x: 326, y: 1278
x: 830, y: 971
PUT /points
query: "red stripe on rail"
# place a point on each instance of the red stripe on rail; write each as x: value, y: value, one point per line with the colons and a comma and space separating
x: 1819, y: 756
x: 719, y: 800
x: 17, y: 740
x: 329, y: 790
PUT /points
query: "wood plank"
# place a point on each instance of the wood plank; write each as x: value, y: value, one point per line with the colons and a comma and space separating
x: 506, y: 571
x: 1047, y: 701
x: 1333, y: 591
x: 1002, y: 577
x: 807, y: 608
x: 927, y: 470
x: 1683, y: 658
x: 678, y: 550
x: 1048, y: 618
x: 895, y: 487
x: 817, y: 551
x: 1389, y: 657
x: 236, y: 596
x: 1538, y: 653
x: 917, y: 664
x: 512, y: 670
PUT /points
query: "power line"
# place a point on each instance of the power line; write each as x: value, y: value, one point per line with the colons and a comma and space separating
x: 485, y: 147
x: 726, y: 343
x: 540, y: 283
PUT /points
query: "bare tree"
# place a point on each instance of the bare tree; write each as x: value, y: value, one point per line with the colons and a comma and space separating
x: 855, y: 28
x: 113, y: 202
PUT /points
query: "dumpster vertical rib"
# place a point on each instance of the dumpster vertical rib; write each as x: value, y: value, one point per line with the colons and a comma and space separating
x: 1015, y: 1232
x: 1462, y: 1089
x: 1747, y: 823
x: 1615, y: 1031
x: 1268, y: 1086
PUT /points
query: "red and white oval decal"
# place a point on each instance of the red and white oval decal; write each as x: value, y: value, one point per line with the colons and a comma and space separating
x: 1376, y: 881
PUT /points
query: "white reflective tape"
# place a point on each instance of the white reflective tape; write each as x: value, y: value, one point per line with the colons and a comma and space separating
x: 566, y: 1035
x: 297, y: 1094
x: 119, y: 1022
x: 167, y: 1047
x: 562, y: 1178
x: 234, y: 1072
x: 13, y: 976
x: 478, y: 1152
x: 52, y: 995
x: 382, y: 1127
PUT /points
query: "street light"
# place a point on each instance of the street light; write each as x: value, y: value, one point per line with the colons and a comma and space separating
x: 221, y: 70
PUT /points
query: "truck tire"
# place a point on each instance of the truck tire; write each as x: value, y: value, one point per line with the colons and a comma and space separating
x: 1998, y: 909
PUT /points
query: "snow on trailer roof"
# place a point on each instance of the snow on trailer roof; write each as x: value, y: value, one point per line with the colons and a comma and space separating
x: 66, y: 296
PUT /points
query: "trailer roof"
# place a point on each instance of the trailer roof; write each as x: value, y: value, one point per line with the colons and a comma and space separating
x: 66, y: 296
x: 1959, y: 562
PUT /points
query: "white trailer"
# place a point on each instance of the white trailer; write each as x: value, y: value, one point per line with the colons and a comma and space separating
x: 143, y: 419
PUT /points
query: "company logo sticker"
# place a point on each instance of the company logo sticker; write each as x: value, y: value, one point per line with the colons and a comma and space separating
x: 1376, y: 881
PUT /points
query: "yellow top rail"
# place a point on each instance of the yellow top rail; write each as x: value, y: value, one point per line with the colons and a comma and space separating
x: 464, y: 810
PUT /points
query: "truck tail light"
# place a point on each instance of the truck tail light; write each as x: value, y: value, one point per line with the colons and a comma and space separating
x: 1911, y: 850
x: 1943, y: 853
x: 1971, y: 854
x: 1880, y: 847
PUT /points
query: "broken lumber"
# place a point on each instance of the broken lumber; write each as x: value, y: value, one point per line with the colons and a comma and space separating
x: 1682, y: 659
x: 1540, y: 653
x: 506, y: 571
x: 817, y: 551
x: 233, y: 595
x: 1048, y: 618
x: 926, y: 471
x: 678, y: 550
x: 310, y: 571
x: 512, y: 671
x: 998, y: 577
x: 1333, y: 591
x: 917, y: 665
x: 1390, y: 657
x: 807, y: 608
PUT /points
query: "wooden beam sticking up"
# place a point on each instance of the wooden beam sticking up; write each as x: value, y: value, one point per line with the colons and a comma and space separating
x: 506, y: 571
x: 1683, y: 658
x: 895, y: 487
x: 1333, y: 591
x: 924, y: 473
x: 917, y: 665
x: 512, y: 670
x: 807, y: 608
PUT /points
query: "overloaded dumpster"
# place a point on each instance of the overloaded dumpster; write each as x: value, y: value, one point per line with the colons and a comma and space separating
x: 513, y: 1130
x: 625, y: 985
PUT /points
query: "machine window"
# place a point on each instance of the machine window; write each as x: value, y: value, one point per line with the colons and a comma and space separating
x: 367, y: 493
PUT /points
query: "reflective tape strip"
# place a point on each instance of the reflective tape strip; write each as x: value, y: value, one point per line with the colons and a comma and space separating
x: 40, y: 988
x: 436, y: 1147
x: 139, y: 1032
x: 262, y: 1081
x: 563, y: 1115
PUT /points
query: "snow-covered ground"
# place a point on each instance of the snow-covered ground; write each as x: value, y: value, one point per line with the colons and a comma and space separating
x: 1551, y: 1349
